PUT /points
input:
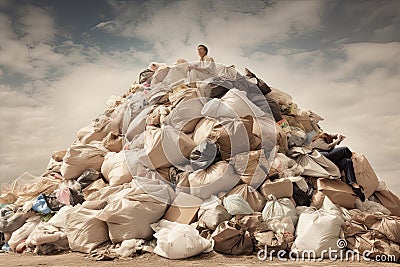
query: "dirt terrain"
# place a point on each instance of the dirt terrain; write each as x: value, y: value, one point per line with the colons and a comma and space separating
x: 149, y: 259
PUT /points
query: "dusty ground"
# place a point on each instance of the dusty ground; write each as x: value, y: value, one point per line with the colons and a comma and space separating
x: 148, y: 259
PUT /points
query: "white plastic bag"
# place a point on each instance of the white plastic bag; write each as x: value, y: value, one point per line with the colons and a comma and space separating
x: 233, y: 104
x: 235, y: 204
x: 23, y: 232
x: 178, y: 241
x: 279, y: 208
x: 319, y: 230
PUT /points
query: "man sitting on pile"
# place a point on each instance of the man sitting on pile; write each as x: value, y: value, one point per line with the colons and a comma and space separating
x: 202, y: 70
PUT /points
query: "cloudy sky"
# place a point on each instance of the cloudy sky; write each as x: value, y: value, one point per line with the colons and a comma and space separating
x: 61, y: 60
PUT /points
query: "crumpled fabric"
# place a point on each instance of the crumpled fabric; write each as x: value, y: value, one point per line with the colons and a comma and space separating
x: 41, y: 205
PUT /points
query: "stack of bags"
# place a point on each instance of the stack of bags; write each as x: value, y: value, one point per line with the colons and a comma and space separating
x: 197, y: 168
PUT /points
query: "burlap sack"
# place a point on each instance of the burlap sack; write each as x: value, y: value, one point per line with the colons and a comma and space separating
x: 365, y: 175
x: 252, y: 167
x: 279, y: 188
x: 84, y: 231
x: 166, y: 147
x: 233, y: 135
x: 113, y: 142
x: 219, y: 177
x: 252, y: 196
x: 230, y: 238
x: 338, y: 192
x: 80, y: 157
x: 115, y: 169
x: 210, y: 218
x: 389, y: 201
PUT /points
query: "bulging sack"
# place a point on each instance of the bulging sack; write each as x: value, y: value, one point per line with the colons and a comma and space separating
x: 131, y: 210
x: 203, y: 155
x: 233, y: 104
x: 178, y: 241
x: 389, y: 201
x: 128, y: 218
x: 115, y: 169
x: 252, y: 167
x: 233, y: 135
x: 338, y: 192
x: 101, y: 126
x: 219, y: 177
x: 252, y: 196
x: 319, y: 230
x: 236, y: 204
x: 230, y: 238
x: 113, y: 142
x: 279, y: 208
x: 80, y: 157
x: 166, y: 147
x: 84, y: 231
x: 280, y: 188
x: 212, y: 216
x: 315, y: 164
x: 365, y: 175
x: 185, y: 115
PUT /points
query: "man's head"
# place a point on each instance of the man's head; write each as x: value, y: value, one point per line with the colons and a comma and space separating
x: 202, y: 50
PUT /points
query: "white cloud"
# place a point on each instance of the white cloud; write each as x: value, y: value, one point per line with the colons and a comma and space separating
x: 37, y: 25
x: 175, y: 28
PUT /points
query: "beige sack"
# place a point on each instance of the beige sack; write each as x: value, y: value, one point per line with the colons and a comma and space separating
x: 264, y: 128
x: 181, y: 93
x: 338, y: 192
x: 115, y: 169
x: 93, y: 187
x: 80, y: 157
x: 252, y: 196
x: 186, y: 115
x: 230, y: 238
x: 84, y: 231
x: 389, y: 201
x: 233, y: 135
x: 101, y: 126
x: 219, y: 177
x: 252, y: 167
x: 128, y: 218
x: 365, y: 175
x: 210, y: 218
x: 113, y: 142
x: 166, y: 147
x: 279, y: 188
x: 203, y: 129
x: 131, y: 210
x: 315, y: 164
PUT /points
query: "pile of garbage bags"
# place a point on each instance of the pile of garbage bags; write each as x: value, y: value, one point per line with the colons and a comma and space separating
x: 178, y: 169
